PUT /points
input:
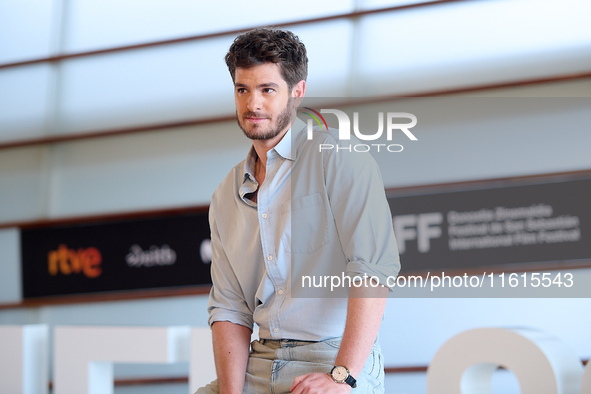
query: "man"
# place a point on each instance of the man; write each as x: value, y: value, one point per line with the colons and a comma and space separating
x: 284, y: 212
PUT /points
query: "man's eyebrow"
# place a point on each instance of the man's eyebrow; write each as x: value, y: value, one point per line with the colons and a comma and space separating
x: 262, y: 85
x: 268, y: 85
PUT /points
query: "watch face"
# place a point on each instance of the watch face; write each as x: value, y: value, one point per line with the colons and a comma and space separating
x: 340, y: 373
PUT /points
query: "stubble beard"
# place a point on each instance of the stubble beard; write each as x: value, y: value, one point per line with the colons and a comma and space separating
x: 282, y: 122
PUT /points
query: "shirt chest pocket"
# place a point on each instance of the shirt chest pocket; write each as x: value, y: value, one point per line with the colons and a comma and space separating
x: 306, y: 224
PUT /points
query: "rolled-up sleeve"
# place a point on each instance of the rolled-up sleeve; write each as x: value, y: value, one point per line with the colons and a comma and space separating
x: 362, y: 215
x: 226, y: 298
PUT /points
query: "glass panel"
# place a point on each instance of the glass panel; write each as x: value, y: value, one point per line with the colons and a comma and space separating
x: 329, y: 56
x: 505, y: 382
x: 135, y: 21
x: 467, y: 42
x: 163, y: 84
x: 10, y: 269
x: 167, y: 168
x: 406, y: 382
x: 23, y: 101
x: 372, y: 4
x: 21, y: 184
x: 182, y: 81
x: 25, y: 29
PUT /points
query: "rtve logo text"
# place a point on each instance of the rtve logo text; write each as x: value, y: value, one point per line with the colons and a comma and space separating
x: 345, y: 130
x: 69, y: 261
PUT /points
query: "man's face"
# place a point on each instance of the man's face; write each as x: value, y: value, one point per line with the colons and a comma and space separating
x: 263, y: 101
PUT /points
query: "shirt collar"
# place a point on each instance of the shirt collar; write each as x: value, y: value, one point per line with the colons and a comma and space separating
x: 250, y: 164
x: 284, y: 147
x: 249, y: 183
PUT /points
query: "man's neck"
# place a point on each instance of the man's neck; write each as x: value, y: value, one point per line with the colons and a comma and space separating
x: 261, y: 147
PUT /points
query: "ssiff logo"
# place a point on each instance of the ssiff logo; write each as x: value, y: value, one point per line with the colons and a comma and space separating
x: 345, y: 130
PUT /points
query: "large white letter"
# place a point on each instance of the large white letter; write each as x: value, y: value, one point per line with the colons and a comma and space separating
x: 84, y: 356
x: 344, y: 123
x: 541, y: 363
x: 426, y: 232
x: 24, y: 360
x: 202, y: 365
x: 586, y: 381
x: 404, y: 126
x: 403, y: 232
x: 368, y: 137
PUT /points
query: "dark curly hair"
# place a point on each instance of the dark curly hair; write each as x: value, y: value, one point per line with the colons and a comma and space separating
x: 267, y: 45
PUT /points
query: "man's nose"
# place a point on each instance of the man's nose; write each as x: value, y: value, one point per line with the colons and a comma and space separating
x: 255, y: 102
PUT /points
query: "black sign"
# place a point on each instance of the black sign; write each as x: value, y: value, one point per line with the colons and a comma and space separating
x: 490, y: 226
x: 498, y: 225
x: 114, y: 256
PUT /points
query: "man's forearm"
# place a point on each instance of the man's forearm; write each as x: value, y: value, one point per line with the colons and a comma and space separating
x: 364, y: 316
x: 230, y: 348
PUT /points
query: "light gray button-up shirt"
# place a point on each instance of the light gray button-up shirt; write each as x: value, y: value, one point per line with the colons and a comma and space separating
x: 318, y: 213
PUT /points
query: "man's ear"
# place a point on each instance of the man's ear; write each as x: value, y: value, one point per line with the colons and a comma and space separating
x: 298, y: 91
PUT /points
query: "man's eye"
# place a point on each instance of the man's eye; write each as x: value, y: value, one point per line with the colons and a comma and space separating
x: 268, y: 90
x: 241, y: 90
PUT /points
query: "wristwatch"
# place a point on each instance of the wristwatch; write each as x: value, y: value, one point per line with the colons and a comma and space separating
x: 341, y: 374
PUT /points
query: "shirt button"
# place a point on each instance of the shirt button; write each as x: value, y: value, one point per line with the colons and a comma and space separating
x: 264, y: 215
x: 275, y: 330
x: 280, y: 292
x: 269, y: 257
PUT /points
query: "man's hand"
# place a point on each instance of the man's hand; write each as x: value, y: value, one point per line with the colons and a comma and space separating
x: 318, y: 383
